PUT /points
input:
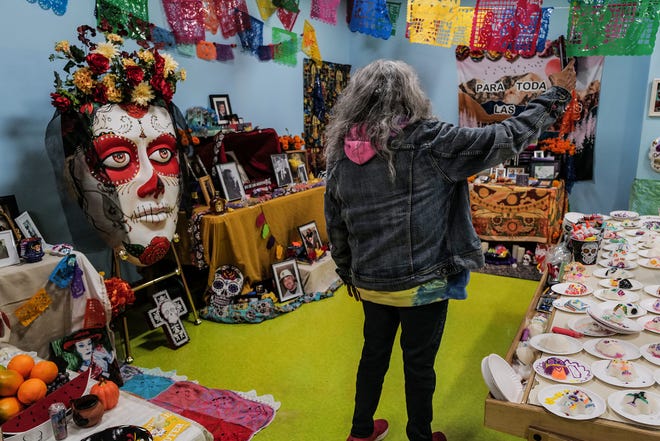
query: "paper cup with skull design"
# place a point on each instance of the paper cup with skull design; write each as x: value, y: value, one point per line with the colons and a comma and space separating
x: 586, y: 251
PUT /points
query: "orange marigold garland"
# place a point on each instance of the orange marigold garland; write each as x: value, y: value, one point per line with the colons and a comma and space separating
x: 561, y: 145
x: 120, y: 294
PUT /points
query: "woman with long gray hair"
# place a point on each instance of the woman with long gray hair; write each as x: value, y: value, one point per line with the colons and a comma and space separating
x: 398, y: 216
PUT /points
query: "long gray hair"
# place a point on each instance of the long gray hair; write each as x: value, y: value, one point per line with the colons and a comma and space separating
x: 381, y: 97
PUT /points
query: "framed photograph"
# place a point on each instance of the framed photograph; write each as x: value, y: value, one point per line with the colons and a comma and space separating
x: 8, y: 252
x: 220, y: 103
x: 514, y: 171
x: 8, y: 211
x: 283, y: 175
x: 196, y: 166
x: 654, y: 102
x: 208, y: 191
x: 241, y: 171
x: 545, y: 170
x: 230, y: 179
x: 539, y: 154
x: 28, y: 228
x: 545, y: 183
x: 311, y: 239
x: 286, y: 278
x: 500, y: 173
x: 302, y: 173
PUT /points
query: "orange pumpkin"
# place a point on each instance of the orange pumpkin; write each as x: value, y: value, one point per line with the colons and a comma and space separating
x: 107, y: 391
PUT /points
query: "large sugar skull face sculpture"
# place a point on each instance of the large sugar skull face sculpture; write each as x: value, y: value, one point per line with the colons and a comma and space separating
x: 589, y: 253
x: 130, y: 180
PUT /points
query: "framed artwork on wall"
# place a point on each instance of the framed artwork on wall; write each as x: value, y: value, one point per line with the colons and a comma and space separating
x: 222, y: 107
x: 654, y: 102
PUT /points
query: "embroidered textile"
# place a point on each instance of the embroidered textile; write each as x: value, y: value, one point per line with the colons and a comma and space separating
x: 543, y: 31
x: 431, y: 20
x: 393, y: 10
x: 186, y: 18
x: 58, y: 6
x: 224, y: 52
x: 289, y: 5
x: 206, y: 50
x: 233, y: 16
x: 316, y: 100
x: 33, y: 308
x: 285, y: 46
x: 265, y: 53
x: 211, y: 22
x: 252, y: 38
x: 325, y: 10
x: 266, y: 8
x: 287, y: 18
x: 371, y: 17
x: 131, y: 15
x: 506, y: 25
x: 310, y: 46
x: 162, y: 37
x: 606, y: 27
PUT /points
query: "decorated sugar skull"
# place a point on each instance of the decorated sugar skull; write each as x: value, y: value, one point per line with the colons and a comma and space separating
x: 589, y: 252
x: 121, y: 146
x: 654, y: 155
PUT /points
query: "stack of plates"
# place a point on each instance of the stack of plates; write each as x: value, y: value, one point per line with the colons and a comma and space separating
x: 502, y: 381
x: 602, y: 314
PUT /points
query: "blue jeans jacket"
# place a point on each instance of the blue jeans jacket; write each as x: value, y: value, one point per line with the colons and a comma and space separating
x: 391, y: 234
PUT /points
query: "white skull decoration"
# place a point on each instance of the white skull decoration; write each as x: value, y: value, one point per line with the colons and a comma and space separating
x: 589, y: 252
x: 654, y: 155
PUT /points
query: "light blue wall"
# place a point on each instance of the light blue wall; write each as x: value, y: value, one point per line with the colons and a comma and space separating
x: 270, y: 95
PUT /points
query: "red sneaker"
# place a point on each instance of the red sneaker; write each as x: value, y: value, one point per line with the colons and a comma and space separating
x: 380, y: 432
x: 439, y: 436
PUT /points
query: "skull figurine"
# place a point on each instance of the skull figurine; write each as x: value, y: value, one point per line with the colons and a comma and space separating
x: 589, y: 252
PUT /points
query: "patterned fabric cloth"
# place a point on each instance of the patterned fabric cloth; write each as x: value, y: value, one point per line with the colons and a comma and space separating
x: 371, y: 17
x: 608, y: 27
x: 393, y: 10
x: 58, y: 6
x: 186, y: 18
x: 289, y: 5
x: 325, y: 10
x: 512, y: 213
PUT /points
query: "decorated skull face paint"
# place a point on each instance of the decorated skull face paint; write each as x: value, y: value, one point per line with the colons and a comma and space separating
x: 132, y: 180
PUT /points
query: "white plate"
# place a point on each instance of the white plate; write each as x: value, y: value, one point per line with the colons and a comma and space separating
x: 651, y: 224
x: 620, y: 246
x: 626, y: 264
x: 656, y: 376
x: 644, y: 349
x: 562, y: 288
x: 644, y: 375
x: 505, y: 378
x: 609, y: 294
x: 621, y: 215
x: 583, y: 303
x: 549, y: 396
x: 630, y: 224
x: 576, y: 372
x: 608, y: 255
x: 648, y: 253
x: 615, y: 402
x: 646, y: 263
x: 648, y: 305
x: 643, y: 322
x: 636, y: 232
x: 652, y: 290
x: 574, y: 345
x: 613, y: 283
x: 612, y: 273
x: 640, y: 310
x: 602, y: 314
x: 490, y: 382
x: 630, y: 351
x: 588, y: 326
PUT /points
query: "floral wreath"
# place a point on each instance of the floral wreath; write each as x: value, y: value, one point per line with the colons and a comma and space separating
x: 102, y: 73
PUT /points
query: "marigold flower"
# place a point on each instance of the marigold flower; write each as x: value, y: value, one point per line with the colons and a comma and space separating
x: 114, y: 38
x: 62, y: 46
x: 146, y: 56
x: 82, y: 79
x: 142, y: 94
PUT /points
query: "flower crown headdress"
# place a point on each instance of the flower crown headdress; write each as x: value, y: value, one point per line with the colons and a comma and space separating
x: 106, y: 74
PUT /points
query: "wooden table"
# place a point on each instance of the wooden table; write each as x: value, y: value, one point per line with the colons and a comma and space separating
x: 502, y: 212
x: 529, y: 420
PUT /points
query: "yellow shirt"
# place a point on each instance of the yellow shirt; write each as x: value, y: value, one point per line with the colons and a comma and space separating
x: 433, y: 291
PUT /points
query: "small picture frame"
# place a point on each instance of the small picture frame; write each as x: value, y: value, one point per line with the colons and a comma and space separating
x: 283, y: 175
x: 654, y: 101
x: 28, y: 228
x: 206, y: 186
x: 539, y: 154
x: 544, y: 183
x: 311, y: 239
x: 500, y: 173
x: 197, y: 167
x: 302, y: 173
x: 8, y: 211
x: 230, y: 179
x: 8, y: 251
x: 222, y: 107
x: 522, y: 179
x: 514, y: 171
x: 287, y: 281
x: 545, y: 170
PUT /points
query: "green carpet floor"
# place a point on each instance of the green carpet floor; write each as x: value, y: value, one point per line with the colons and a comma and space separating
x: 307, y: 360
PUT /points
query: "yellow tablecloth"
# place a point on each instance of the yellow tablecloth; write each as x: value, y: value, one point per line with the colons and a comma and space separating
x: 234, y: 237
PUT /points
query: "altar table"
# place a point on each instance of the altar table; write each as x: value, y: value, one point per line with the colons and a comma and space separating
x: 513, y: 213
x: 234, y: 237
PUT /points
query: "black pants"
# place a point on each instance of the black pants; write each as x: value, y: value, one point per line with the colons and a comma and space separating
x: 421, y: 332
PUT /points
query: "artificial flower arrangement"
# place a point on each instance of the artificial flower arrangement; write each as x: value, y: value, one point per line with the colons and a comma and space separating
x: 291, y: 142
x: 104, y: 73
x: 561, y: 145
x: 120, y: 293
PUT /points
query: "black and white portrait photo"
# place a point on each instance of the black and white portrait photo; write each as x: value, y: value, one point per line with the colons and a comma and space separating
x: 231, y: 181
x: 283, y: 175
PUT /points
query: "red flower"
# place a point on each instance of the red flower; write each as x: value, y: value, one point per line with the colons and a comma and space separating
x: 87, y: 109
x: 155, y: 251
x: 60, y: 102
x: 120, y: 295
x: 98, y: 63
x: 161, y: 85
x: 134, y: 74
x: 100, y: 94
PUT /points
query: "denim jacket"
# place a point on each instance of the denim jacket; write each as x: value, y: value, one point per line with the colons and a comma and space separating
x: 393, y: 233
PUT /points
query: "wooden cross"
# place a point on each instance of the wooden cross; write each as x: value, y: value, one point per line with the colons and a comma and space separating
x: 167, y: 314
